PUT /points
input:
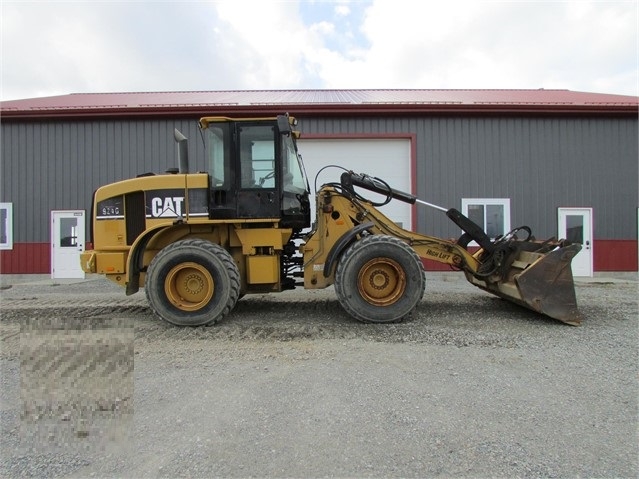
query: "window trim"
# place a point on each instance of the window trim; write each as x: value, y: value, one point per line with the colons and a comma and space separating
x: 8, y: 244
x: 505, y: 202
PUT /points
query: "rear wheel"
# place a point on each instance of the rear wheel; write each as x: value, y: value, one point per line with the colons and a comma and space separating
x: 192, y: 282
x: 379, y: 279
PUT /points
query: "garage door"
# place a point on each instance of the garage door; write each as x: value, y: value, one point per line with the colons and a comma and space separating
x: 383, y: 158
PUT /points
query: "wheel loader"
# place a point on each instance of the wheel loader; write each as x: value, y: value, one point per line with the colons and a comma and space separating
x: 199, y: 241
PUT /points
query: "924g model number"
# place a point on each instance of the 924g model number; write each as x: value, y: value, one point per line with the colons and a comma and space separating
x: 111, y: 208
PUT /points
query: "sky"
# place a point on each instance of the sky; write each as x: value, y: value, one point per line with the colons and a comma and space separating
x: 53, y: 47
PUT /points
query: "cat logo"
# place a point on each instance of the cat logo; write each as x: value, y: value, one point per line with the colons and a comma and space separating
x: 167, y: 206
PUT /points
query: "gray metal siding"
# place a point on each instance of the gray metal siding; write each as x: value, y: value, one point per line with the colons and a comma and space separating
x: 539, y: 163
x: 57, y: 165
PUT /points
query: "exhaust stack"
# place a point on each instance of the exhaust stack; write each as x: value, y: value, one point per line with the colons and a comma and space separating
x: 183, y: 151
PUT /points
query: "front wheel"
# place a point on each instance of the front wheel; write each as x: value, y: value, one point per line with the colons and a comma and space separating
x: 379, y: 279
x: 192, y: 282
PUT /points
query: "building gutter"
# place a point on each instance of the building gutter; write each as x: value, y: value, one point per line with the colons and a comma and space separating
x: 314, y: 109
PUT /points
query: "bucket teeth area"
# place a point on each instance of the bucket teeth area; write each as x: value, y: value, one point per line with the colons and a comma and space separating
x: 547, y: 286
x: 540, y: 282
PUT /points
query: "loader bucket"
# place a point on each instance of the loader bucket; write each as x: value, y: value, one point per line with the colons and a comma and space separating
x: 542, y: 283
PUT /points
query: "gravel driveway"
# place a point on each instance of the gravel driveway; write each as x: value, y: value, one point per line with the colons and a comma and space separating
x: 289, y: 386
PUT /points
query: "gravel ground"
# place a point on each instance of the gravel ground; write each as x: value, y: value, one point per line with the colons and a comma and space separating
x: 289, y: 386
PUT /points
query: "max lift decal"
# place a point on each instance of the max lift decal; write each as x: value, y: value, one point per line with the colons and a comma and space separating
x: 159, y: 204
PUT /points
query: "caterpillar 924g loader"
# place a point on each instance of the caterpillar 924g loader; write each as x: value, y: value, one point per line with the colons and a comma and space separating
x: 197, y: 242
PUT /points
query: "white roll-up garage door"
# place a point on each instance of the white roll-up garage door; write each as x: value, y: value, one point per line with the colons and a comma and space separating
x: 388, y: 159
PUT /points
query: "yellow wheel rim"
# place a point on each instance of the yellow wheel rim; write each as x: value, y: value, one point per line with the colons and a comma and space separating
x: 381, y: 281
x: 189, y: 286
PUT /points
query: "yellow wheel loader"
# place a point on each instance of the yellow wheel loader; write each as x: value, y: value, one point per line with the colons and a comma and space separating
x: 197, y: 242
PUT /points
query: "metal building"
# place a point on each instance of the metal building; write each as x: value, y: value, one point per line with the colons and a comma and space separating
x: 565, y: 163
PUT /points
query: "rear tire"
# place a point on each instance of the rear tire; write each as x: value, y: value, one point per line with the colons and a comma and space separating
x: 379, y: 279
x: 192, y: 283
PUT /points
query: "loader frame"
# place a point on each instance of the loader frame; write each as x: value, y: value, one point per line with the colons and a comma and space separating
x: 197, y: 242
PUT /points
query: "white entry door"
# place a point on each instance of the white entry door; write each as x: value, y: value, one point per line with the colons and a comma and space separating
x: 67, y: 242
x: 575, y: 225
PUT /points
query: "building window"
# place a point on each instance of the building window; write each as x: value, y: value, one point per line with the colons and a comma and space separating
x: 6, y: 226
x: 492, y: 214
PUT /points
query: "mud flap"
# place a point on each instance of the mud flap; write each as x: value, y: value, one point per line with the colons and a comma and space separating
x: 547, y: 285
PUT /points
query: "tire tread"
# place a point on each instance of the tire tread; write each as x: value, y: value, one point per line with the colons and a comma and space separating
x: 343, y: 268
x: 214, y: 249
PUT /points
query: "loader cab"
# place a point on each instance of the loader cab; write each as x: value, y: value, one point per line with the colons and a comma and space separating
x: 255, y: 171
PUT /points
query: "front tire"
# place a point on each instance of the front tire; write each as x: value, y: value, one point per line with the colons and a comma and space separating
x: 192, y: 283
x: 379, y: 279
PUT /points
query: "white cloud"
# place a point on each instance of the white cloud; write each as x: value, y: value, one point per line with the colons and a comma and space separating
x: 322, y: 28
x: 51, y: 48
x: 575, y: 45
x: 342, y: 10
x: 259, y: 38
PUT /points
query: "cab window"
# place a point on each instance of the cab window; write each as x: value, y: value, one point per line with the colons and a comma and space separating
x: 257, y: 156
x: 219, y: 156
x: 292, y: 173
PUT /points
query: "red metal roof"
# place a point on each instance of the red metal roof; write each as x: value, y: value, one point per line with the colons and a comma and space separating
x: 319, y: 102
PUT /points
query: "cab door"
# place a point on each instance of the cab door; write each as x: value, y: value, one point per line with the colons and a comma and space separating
x: 259, y: 180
